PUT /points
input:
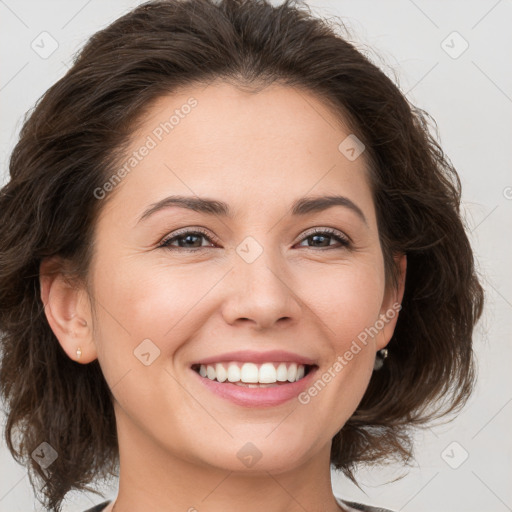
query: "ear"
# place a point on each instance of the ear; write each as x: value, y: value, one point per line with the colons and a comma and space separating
x: 67, y: 309
x: 392, y: 304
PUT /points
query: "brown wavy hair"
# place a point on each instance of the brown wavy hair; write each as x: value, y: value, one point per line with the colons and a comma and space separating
x: 72, y: 142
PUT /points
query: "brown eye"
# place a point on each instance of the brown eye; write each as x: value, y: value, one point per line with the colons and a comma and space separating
x: 188, y: 240
x: 323, y: 237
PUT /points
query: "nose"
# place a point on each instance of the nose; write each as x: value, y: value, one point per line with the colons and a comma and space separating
x: 261, y: 292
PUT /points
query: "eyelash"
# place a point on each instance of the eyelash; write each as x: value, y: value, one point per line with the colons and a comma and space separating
x: 329, y: 232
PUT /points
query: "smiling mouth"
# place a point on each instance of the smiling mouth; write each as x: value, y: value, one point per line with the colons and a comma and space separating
x: 254, y: 375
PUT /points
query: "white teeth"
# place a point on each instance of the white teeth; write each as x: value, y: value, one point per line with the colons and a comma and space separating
x: 249, y: 373
x: 282, y: 373
x: 210, y: 372
x: 263, y: 375
x: 220, y: 373
x: 292, y: 372
x: 233, y: 373
x: 267, y: 373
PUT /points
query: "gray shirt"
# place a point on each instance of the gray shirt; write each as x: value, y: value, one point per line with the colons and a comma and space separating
x: 350, y: 506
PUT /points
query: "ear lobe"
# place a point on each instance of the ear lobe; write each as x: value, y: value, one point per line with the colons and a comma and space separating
x: 392, y: 304
x: 66, y: 309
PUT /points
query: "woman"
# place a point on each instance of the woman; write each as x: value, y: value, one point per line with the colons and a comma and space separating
x: 232, y: 257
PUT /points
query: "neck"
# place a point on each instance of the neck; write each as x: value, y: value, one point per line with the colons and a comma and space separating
x: 151, y: 478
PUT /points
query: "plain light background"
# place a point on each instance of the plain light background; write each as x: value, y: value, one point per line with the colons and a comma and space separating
x: 462, y: 466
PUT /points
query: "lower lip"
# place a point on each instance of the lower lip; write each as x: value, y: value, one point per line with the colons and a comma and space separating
x: 258, y: 397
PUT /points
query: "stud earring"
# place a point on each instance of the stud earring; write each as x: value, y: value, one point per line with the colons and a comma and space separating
x: 379, y: 358
x: 78, y: 353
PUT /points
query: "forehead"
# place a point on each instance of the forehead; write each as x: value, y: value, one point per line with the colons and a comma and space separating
x: 266, y: 148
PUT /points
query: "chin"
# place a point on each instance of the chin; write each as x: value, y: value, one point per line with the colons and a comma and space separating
x: 260, y: 454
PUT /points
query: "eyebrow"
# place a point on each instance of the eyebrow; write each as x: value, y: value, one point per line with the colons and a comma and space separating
x: 300, y: 207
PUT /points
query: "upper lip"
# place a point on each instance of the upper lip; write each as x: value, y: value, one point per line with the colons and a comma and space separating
x: 258, y: 357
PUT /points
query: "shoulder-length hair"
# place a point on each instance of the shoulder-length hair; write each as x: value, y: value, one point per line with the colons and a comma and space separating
x: 74, y: 138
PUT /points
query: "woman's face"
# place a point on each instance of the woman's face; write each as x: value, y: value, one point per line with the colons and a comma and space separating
x: 261, y: 281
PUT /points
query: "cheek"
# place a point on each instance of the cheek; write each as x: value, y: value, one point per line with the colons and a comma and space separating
x: 148, y: 301
x: 347, y: 298
x: 137, y: 303
x: 162, y: 303
x: 346, y: 302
